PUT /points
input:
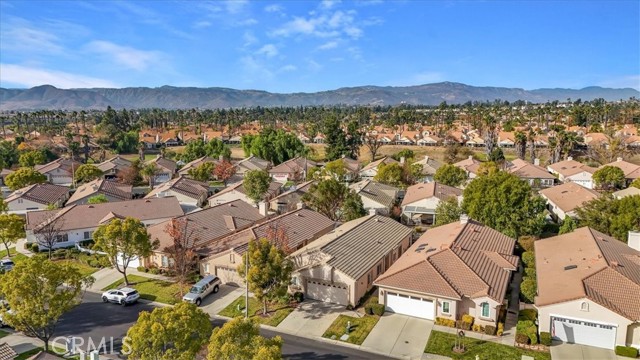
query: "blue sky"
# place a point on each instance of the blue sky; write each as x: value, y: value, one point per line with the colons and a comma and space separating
x: 302, y: 46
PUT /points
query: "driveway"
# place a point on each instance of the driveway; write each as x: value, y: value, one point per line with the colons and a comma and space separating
x: 565, y: 351
x: 312, y: 318
x: 214, y: 303
x: 399, y: 336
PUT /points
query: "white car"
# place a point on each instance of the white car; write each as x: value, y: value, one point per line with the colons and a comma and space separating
x: 122, y: 296
x: 6, y: 265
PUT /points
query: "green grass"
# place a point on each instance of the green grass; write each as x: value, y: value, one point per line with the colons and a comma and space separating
x: 84, y: 269
x: 275, y: 312
x: 151, y: 289
x: 441, y: 343
x: 360, y: 328
x: 15, y: 256
x: 27, y: 354
x: 4, y: 333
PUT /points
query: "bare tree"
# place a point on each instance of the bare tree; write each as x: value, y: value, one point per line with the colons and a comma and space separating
x: 182, y: 252
x: 49, y: 232
x: 372, y: 143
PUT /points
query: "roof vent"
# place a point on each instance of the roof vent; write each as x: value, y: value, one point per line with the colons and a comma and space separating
x: 569, y: 267
x: 614, y: 263
x: 431, y: 249
x: 147, y: 201
x: 90, y: 206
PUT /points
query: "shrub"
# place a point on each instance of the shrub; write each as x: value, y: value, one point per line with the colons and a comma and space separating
x: 373, y: 300
x: 490, y: 330
x: 529, y: 258
x: 378, y: 309
x: 523, y: 325
x: 103, y: 261
x: 468, y: 318
x: 545, y: 338
x: 522, y: 338
x: 627, y: 351
x: 141, y: 269
x: 349, y: 307
x: 298, y: 296
x: 528, y: 289
x: 526, y: 243
x: 445, y: 322
x: 28, y: 246
x: 35, y: 248
x: 154, y: 271
x: 477, y: 328
x: 500, y: 330
x: 463, y: 325
x: 368, y: 309
x: 533, y: 338
x: 58, y: 254
x: 528, y: 314
x: 530, y: 272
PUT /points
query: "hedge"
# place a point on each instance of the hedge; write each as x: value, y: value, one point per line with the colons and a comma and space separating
x: 528, y: 314
x: 490, y: 330
x: 545, y: 338
x: 534, y: 339
x: 378, y: 309
x: 500, y: 330
x: 522, y: 338
x: 627, y: 351
x: 463, y: 325
x: 445, y: 322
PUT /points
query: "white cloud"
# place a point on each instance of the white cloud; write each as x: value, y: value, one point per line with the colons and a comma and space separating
x: 273, y: 8
x: 269, y: 50
x: 235, y: 6
x: 325, y: 24
x: 288, y: 68
x: 328, y: 4
x: 126, y: 56
x: 202, y: 24
x: 20, y: 35
x: 30, y: 77
x: 328, y: 45
x: 249, y: 39
x: 246, y: 22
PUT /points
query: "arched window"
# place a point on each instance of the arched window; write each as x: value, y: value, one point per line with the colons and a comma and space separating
x: 584, y: 306
x: 485, y: 311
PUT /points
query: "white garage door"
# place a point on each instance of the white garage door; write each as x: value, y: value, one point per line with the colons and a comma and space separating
x: 133, y: 263
x: 410, y: 305
x: 327, y: 292
x: 583, y: 332
x: 229, y: 276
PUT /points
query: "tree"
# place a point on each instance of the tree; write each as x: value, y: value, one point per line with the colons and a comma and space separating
x: 256, y: 183
x: 497, y: 155
x: 521, y: 144
x: 609, y: 178
x: 505, y: 203
x: 216, y: 148
x: 11, y: 229
x: 568, y: 225
x: 87, y: 172
x: 335, y: 169
x: 131, y: 175
x: 407, y: 154
x: 612, y: 216
x: 123, y: 241
x: 240, y: 339
x: 24, y: 177
x: 203, y: 172
x: 223, y: 171
x: 454, y: 153
x: 451, y: 175
x: 169, y: 333
x: 39, y: 292
x: 183, y: 257
x: 269, y: 271
x: 149, y: 172
x: 32, y: 158
x: 391, y: 174
x: 98, y: 199
x: 49, y: 232
x: 448, y: 211
x: 3, y: 206
x: 8, y: 154
x: 635, y: 183
x: 334, y: 200
x: 372, y: 143
x: 335, y: 139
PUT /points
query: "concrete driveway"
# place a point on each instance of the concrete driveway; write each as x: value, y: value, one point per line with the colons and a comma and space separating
x: 399, y: 336
x: 214, y: 303
x: 312, y: 318
x: 565, y: 351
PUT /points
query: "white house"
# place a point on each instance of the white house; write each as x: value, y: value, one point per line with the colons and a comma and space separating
x: 375, y: 196
x: 237, y: 192
x: 421, y: 200
x: 36, y: 197
x: 572, y: 171
x: 60, y: 171
x: 370, y: 170
x: 191, y: 194
x: 564, y: 199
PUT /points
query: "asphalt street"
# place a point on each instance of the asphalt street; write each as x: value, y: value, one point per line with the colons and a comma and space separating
x: 96, y: 320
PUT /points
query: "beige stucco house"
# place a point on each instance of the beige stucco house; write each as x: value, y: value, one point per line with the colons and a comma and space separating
x: 376, y: 197
x: 421, y: 200
x: 112, y: 190
x: 36, y: 197
x: 564, y: 199
x: 572, y: 171
x: 190, y: 193
x: 237, y: 192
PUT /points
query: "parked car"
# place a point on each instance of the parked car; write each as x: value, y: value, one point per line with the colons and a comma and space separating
x: 122, y: 296
x: 209, y: 284
x: 6, y: 265
x: 4, y: 307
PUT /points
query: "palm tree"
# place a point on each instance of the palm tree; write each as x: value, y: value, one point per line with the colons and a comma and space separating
x: 521, y: 144
x: 531, y: 137
x: 149, y: 172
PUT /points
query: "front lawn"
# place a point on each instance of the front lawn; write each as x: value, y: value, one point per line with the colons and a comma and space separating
x: 28, y: 354
x: 4, y: 333
x: 15, y: 256
x: 442, y: 343
x: 84, y: 269
x: 275, y: 312
x: 151, y: 289
x: 360, y: 328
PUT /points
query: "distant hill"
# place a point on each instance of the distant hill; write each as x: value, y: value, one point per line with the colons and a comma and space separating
x: 48, y: 97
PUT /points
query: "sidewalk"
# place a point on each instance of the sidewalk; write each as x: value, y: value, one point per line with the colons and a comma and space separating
x: 21, y: 249
x: 21, y: 343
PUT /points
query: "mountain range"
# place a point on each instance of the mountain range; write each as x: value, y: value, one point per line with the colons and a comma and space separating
x: 47, y: 97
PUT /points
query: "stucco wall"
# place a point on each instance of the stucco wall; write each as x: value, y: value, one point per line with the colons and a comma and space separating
x: 229, y: 197
x: 17, y: 205
x: 583, y: 179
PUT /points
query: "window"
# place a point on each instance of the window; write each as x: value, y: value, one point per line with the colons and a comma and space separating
x: 232, y: 258
x: 379, y: 269
x: 445, y: 307
x: 165, y: 261
x: 61, y: 238
x: 584, y: 306
x: 294, y: 280
x: 485, y: 310
x: 19, y: 201
x: 369, y: 279
x: 88, y: 235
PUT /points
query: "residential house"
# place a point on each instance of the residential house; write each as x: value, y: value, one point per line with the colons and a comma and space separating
x: 76, y: 223
x: 304, y: 138
x: 370, y: 170
x: 289, y: 200
x: 596, y: 140
x: 190, y: 193
x: 470, y: 165
x: 572, y: 171
x: 184, y: 171
x: 7, y: 352
x: 203, y: 227
x: 166, y: 169
x: 3, y: 174
x: 237, y: 192
x: 429, y: 168
x: 564, y: 199
x: 291, y: 231
x: 36, y: 197
x: 631, y: 171
x: 630, y: 191
x: 534, y: 174
x: 60, y: 171
x: 588, y: 286
x: 460, y: 268
x: 295, y: 170
x: 352, y: 168
x: 248, y: 164
x: 429, y: 140
x: 421, y: 200
x: 340, y: 266
x: 376, y: 197
x: 113, y: 166
x: 112, y: 190
x: 319, y: 139
x: 506, y: 139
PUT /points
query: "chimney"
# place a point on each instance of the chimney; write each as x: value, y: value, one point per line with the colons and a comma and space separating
x: 570, y: 158
x: 464, y: 219
x: 262, y: 208
x: 536, y: 162
x: 619, y: 159
x: 402, y: 160
x: 634, y: 240
x: 373, y: 211
x: 300, y: 205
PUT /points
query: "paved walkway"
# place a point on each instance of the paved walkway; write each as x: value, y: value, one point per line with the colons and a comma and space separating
x: 312, y: 318
x: 21, y: 343
x: 399, y: 336
x: 21, y: 249
x: 564, y: 351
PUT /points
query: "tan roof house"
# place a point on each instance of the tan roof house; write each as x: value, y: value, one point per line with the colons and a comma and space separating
x: 470, y: 165
x: 376, y: 197
x: 460, y: 268
x: 289, y: 200
x: 295, y: 170
x: 113, y: 166
x: 534, y: 174
x: 588, y: 286
x: 113, y: 191
x: 340, y: 266
x: 421, y: 200
x: 292, y: 231
x: 429, y: 168
x: 572, y: 171
x: 166, y: 169
x: 184, y: 171
x: 190, y: 193
x: 59, y: 171
x: 630, y: 191
x: 370, y: 170
x: 248, y: 164
x: 631, y: 171
x: 237, y: 192
x: 564, y: 199
x: 203, y: 228
x: 36, y: 197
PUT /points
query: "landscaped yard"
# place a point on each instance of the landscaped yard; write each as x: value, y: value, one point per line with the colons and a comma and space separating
x: 151, y: 289
x: 3, y: 334
x: 28, y: 354
x: 441, y: 343
x: 15, y: 256
x: 360, y: 328
x: 275, y: 312
x: 84, y: 269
